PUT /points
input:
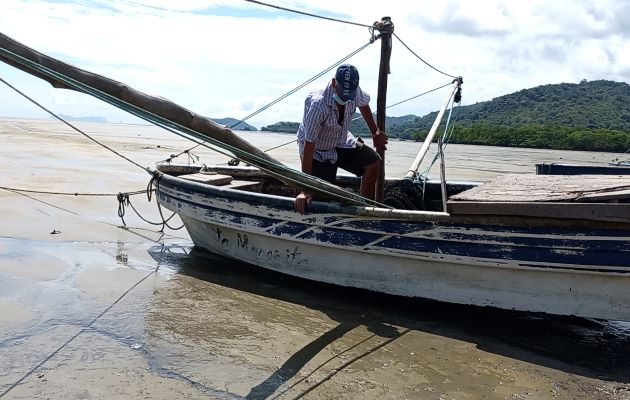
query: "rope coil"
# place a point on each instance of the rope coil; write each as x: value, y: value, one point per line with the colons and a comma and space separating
x: 125, y: 201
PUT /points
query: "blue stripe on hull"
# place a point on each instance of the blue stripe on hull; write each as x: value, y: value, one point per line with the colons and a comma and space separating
x: 342, y: 237
x: 397, y: 227
x: 539, y: 251
x: 474, y: 241
x: 288, y: 228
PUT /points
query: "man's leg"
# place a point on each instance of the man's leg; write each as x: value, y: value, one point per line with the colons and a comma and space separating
x: 368, y: 180
x: 362, y: 161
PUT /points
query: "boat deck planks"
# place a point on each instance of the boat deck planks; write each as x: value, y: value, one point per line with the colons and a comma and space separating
x: 548, y: 196
x: 546, y: 188
x: 609, y: 212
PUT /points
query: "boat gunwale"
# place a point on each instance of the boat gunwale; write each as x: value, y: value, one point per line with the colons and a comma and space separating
x: 284, y: 203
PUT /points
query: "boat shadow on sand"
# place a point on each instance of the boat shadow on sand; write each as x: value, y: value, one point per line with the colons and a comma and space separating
x: 584, y: 347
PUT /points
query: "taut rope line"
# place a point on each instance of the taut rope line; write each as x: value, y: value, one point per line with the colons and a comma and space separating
x: 74, y: 127
x: 307, y: 14
x: 270, y: 167
x: 290, y: 92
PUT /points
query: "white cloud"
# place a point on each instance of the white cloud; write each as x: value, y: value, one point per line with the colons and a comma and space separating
x: 229, y: 62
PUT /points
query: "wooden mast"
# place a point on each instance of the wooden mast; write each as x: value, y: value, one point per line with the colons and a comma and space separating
x: 386, y: 27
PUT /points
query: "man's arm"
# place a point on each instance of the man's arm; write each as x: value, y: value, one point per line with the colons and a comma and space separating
x: 307, y: 157
x: 379, y: 138
x: 302, y: 199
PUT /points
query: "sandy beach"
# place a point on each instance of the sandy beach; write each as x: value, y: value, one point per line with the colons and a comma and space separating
x: 93, y: 309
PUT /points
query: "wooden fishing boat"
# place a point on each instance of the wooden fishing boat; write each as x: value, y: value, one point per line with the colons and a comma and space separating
x: 564, y: 256
x: 553, y: 244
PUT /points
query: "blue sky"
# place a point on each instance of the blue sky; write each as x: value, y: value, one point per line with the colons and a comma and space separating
x: 225, y: 58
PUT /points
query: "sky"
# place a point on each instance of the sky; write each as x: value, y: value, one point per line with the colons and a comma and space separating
x: 228, y: 58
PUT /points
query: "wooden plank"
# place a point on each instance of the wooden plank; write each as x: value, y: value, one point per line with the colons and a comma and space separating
x: 615, y: 195
x: 210, y: 179
x: 243, y: 185
x: 545, y: 188
x: 617, y: 212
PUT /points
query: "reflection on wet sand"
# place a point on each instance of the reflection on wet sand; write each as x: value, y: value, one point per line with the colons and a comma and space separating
x: 336, y: 331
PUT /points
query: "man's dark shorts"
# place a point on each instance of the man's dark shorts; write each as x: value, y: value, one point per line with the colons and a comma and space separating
x: 352, y: 160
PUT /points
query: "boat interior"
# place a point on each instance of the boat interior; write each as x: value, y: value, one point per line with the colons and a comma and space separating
x: 590, y: 198
x: 401, y: 194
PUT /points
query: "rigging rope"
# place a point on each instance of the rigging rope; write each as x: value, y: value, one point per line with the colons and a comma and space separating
x: 305, y: 13
x: 165, y: 123
x: 74, y: 127
x: 272, y: 168
x: 236, y: 161
x: 347, y: 22
x: 421, y: 59
x: 310, y: 80
x: 421, y: 94
x: 124, y: 200
x: 70, y: 193
x: 371, y: 27
x: 123, y: 197
x: 446, y: 136
x: 292, y: 91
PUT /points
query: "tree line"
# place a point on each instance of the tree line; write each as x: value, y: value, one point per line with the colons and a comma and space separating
x: 591, y: 116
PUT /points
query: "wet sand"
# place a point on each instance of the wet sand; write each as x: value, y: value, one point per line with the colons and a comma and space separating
x: 91, y: 309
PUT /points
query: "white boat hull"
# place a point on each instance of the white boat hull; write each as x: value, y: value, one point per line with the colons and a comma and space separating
x: 301, y: 246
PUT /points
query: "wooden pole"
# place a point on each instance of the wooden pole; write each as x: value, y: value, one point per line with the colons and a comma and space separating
x: 413, y: 170
x: 386, y: 27
x: 442, y: 173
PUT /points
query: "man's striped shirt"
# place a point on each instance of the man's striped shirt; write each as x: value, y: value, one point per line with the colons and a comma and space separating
x: 320, y: 123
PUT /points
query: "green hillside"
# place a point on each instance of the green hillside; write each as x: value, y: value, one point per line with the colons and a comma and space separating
x: 284, y: 126
x: 596, y: 105
x: 585, y: 116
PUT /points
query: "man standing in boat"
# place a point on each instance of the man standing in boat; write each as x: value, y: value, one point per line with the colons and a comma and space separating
x: 324, y: 141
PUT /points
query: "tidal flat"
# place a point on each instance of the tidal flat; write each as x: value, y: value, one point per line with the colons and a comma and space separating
x: 94, y: 308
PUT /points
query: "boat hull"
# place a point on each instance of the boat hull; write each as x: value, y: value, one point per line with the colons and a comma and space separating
x: 561, y: 271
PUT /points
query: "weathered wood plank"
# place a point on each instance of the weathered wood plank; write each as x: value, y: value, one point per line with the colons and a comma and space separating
x: 243, y: 185
x: 616, y: 195
x: 545, y: 188
x: 617, y: 212
x: 210, y: 179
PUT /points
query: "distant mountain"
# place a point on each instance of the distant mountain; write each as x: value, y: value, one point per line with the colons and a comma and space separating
x: 243, y: 126
x: 584, y: 116
x: 592, y: 116
x: 83, y: 119
x: 594, y: 105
